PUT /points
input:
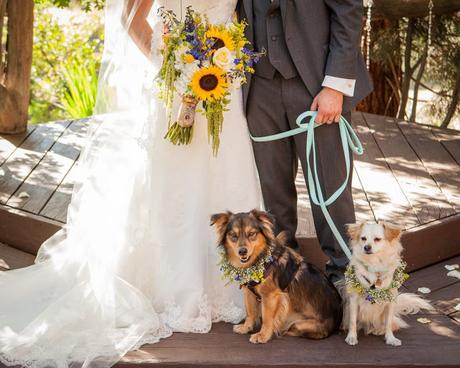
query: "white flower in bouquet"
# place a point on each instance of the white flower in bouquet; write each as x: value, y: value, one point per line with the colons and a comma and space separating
x: 182, y: 83
x: 224, y: 58
x: 189, y: 69
x: 179, y: 54
x: 237, y: 82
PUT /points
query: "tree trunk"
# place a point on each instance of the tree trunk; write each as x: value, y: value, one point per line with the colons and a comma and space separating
x: 394, y: 9
x: 407, y: 70
x: 454, y: 102
x: 386, y: 77
x: 418, y: 79
x: 14, y: 89
x: 2, y: 21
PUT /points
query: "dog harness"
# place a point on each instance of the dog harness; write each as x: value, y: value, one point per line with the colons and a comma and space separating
x: 350, y: 141
x: 251, y: 285
x: 283, y: 283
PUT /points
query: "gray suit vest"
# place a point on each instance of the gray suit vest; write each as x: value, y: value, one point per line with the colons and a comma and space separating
x: 269, y: 35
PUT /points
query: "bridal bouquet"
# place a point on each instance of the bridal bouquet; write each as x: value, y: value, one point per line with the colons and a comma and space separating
x: 202, y: 63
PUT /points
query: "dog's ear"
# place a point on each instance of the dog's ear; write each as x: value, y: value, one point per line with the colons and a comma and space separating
x: 354, y: 230
x: 290, y: 270
x: 267, y: 223
x: 283, y: 238
x: 220, y: 222
x: 391, y: 231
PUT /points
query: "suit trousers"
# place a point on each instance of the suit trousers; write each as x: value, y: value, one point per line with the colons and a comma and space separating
x: 273, y: 106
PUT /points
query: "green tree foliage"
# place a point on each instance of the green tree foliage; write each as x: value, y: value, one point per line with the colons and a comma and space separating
x: 402, y: 45
x: 86, y: 5
x: 61, y: 53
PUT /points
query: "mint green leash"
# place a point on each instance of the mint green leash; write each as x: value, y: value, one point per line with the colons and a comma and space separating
x: 349, y: 140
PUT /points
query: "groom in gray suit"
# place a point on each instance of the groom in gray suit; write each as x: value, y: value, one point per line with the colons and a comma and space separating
x: 313, y: 62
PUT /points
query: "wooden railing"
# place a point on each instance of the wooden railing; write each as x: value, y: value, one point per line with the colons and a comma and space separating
x: 16, y: 33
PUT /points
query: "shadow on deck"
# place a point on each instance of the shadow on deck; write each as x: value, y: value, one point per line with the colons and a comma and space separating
x: 409, y: 174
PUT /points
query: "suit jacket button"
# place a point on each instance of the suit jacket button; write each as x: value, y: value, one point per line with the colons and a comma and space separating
x: 274, y: 38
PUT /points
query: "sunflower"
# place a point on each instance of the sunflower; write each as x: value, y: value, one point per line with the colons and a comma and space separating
x: 209, y: 84
x: 219, y: 38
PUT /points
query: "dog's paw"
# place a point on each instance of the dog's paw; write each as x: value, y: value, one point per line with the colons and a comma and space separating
x: 391, y: 340
x: 259, y: 338
x: 242, y: 329
x: 351, y: 340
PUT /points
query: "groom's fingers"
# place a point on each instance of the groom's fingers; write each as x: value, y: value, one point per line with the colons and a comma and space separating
x: 314, y: 105
x: 337, y: 118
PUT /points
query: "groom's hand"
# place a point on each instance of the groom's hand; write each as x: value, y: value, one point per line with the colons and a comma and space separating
x: 329, y: 104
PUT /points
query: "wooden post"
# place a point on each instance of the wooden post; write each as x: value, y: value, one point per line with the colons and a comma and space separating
x: 15, y: 64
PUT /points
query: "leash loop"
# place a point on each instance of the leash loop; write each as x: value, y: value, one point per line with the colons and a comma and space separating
x: 349, y: 140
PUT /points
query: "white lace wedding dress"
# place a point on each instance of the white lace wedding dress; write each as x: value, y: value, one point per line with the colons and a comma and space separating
x: 137, y: 259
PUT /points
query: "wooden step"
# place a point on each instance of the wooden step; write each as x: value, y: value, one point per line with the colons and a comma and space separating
x: 12, y: 258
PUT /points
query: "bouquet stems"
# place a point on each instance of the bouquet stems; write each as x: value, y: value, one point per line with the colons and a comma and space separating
x: 181, y: 132
x: 179, y: 135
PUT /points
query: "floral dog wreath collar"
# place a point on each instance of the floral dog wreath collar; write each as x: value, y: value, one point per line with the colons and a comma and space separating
x: 373, y: 294
x: 253, y: 274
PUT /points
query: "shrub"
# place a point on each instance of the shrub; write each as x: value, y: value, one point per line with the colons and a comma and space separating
x: 59, y: 47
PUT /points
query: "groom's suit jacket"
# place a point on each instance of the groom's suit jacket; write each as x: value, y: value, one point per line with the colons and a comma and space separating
x: 323, y: 38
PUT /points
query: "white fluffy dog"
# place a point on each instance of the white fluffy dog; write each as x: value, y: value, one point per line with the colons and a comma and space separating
x: 373, y: 277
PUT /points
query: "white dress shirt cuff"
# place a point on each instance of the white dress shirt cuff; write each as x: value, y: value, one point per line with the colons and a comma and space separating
x: 346, y: 86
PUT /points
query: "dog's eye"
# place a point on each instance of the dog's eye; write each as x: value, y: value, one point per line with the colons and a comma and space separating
x: 252, y: 234
x: 363, y: 238
x: 377, y: 239
x: 233, y: 236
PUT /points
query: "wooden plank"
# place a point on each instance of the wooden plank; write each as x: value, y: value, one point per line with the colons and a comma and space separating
x: 450, y: 141
x: 222, y: 348
x: 432, y: 243
x: 49, y: 173
x: 25, y: 231
x: 306, y: 226
x: 9, y: 143
x: 363, y: 210
x: 57, y: 206
x: 387, y: 200
x: 433, y: 277
x: 438, y: 162
x: 427, y: 200
x: 27, y: 156
x: 455, y: 316
x: 447, y: 298
x: 11, y: 258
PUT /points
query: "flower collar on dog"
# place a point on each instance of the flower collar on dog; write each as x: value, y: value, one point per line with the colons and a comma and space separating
x: 373, y: 294
x: 254, y: 274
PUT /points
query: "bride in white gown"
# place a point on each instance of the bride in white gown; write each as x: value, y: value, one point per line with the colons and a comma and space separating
x: 137, y: 259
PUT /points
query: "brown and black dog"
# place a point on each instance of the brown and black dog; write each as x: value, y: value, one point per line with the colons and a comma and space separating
x: 295, y: 298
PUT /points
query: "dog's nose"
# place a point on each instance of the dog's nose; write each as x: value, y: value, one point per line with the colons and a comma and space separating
x: 367, y: 248
x: 242, y: 251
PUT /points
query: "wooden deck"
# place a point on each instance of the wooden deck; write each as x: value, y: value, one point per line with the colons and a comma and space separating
x: 409, y: 174
x: 434, y: 344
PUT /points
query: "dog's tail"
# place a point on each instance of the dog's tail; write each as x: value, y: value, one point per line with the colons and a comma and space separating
x: 408, y: 303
